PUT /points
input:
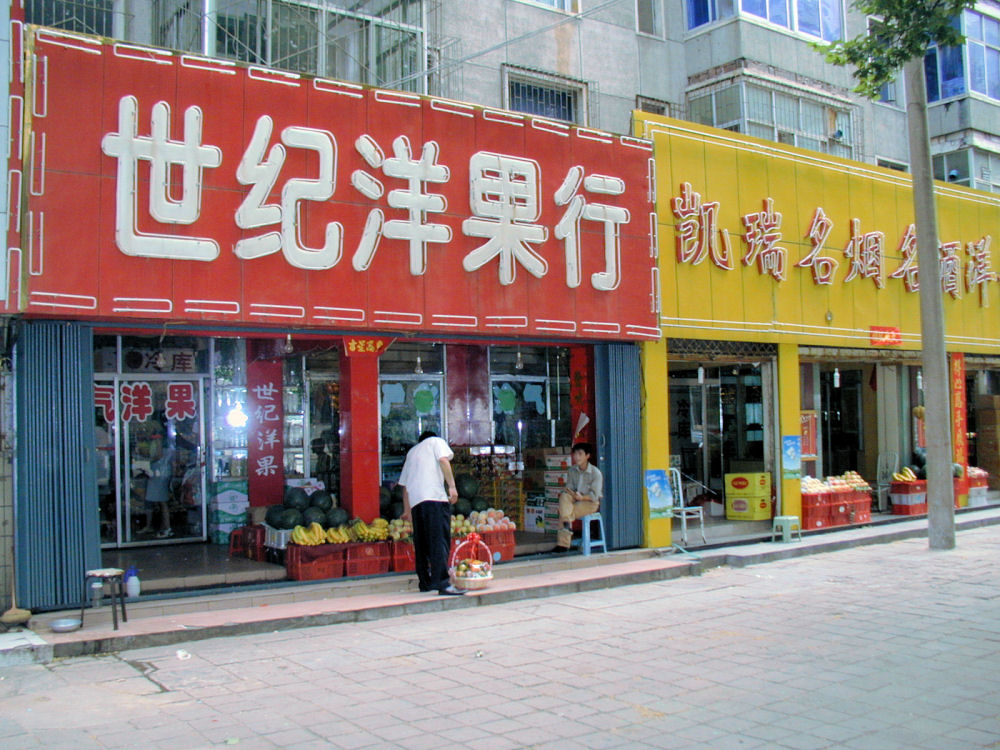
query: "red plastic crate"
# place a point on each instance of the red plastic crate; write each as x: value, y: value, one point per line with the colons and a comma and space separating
x: 815, y: 517
x: 367, y: 558
x: 501, y: 544
x: 315, y: 562
x: 814, y: 499
x: 841, y: 509
x: 403, y: 557
x: 863, y: 514
x: 909, y: 510
x: 247, y: 541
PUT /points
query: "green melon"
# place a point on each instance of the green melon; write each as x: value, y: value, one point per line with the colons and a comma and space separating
x: 273, y: 516
x: 314, y: 515
x: 397, y: 493
x: 480, y: 504
x: 384, y: 498
x: 296, y: 498
x: 336, y: 517
x: 290, y: 518
x: 396, y: 511
x: 461, y: 508
x: 467, y: 486
x: 321, y: 499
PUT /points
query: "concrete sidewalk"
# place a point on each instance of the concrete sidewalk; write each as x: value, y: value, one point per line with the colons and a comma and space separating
x: 169, y: 620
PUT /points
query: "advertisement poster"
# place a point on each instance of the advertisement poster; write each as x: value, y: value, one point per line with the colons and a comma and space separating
x: 791, y: 456
x: 661, y: 495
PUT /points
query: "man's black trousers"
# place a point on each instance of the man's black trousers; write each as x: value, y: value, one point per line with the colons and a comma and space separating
x: 432, y: 543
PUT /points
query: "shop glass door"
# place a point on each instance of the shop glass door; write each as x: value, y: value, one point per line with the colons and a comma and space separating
x: 410, y: 404
x: 151, y: 470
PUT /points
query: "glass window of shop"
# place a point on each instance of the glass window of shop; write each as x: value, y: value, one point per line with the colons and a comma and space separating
x: 530, y: 396
x: 150, y: 396
x: 310, y: 434
x: 411, y: 399
x: 720, y: 421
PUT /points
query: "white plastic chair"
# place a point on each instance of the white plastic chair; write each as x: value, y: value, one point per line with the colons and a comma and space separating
x: 888, y: 464
x: 684, y: 512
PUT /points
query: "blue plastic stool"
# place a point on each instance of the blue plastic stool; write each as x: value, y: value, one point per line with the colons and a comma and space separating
x: 587, y: 543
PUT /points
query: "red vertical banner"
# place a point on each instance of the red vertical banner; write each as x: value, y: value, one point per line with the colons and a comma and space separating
x: 959, y: 426
x: 265, y: 429
x: 809, y: 432
x: 581, y: 394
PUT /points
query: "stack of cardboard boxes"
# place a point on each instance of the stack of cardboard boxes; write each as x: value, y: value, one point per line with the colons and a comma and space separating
x: 545, y: 477
x: 228, y: 509
x: 988, y: 437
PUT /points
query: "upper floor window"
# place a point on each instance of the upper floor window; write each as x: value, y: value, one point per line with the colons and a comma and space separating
x: 649, y: 17
x: 82, y: 16
x: 777, y: 116
x: 568, y: 6
x: 377, y: 42
x: 549, y: 96
x: 982, y: 35
x: 819, y: 18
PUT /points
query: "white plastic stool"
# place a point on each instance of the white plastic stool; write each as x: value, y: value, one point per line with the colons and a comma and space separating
x: 787, y: 525
x: 587, y: 543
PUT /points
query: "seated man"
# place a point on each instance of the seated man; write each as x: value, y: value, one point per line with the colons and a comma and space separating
x: 582, y: 496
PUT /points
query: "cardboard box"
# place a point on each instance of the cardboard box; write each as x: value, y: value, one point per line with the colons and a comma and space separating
x: 534, y: 518
x: 748, y: 485
x: 230, y: 502
x: 985, y: 417
x: 558, y: 461
x: 988, y: 402
x: 555, y: 478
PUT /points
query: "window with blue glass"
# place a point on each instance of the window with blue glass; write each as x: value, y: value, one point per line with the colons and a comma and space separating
x: 944, y: 71
x: 700, y: 12
x: 982, y: 34
x: 775, y: 11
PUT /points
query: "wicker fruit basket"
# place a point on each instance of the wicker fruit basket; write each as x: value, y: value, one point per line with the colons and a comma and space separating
x: 471, y: 565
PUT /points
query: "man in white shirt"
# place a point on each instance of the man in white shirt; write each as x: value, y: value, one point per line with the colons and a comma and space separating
x: 582, y: 495
x: 426, y: 471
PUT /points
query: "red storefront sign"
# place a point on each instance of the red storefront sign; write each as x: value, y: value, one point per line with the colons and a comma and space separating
x: 959, y: 423
x: 265, y: 431
x: 885, y: 336
x: 169, y: 186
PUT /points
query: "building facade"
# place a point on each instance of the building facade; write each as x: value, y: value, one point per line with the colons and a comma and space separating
x: 752, y: 364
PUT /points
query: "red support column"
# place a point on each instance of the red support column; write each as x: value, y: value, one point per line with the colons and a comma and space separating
x: 581, y: 393
x: 360, y: 471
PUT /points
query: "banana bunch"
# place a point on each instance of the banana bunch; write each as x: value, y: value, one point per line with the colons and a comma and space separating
x: 314, y: 534
x: 338, y: 535
x: 906, y: 475
x: 377, y: 531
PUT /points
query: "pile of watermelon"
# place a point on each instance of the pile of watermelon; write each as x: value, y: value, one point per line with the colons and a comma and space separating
x: 468, y: 496
x: 301, y: 509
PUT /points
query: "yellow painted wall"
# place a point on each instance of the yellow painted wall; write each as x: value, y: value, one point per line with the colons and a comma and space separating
x: 704, y: 301
x: 739, y: 172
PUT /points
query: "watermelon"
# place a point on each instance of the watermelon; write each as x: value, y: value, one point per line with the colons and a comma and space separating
x: 336, y: 517
x: 397, y: 493
x: 289, y: 519
x: 296, y: 498
x: 480, y: 504
x: 384, y: 499
x: 396, y: 511
x: 461, y: 508
x: 321, y: 499
x: 467, y: 486
x: 273, y: 516
x: 314, y: 515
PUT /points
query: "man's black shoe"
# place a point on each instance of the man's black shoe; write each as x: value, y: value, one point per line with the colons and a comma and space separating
x: 451, y: 591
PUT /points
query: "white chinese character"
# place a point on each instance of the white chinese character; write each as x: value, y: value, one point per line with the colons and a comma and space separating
x: 265, y: 391
x: 266, y: 466
x: 128, y: 147
x: 823, y: 267
x: 504, y: 196
x: 979, y: 271
x: 413, y: 199
x: 267, y: 439
x: 262, y: 174
x: 266, y: 413
x: 865, y: 253
x: 908, y: 270
x: 696, y: 230
x: 951, y: 269
x: 568, y: 227
x: 763, y: 232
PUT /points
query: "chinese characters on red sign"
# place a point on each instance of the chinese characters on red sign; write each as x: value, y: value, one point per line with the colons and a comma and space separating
x: 959, y: 423
x: 326, y: 203
x: 265, y: 430
x: 698, y: 237
x: 138, y: 400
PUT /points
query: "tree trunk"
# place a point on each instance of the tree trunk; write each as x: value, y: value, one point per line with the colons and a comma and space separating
x: 940, y: 488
